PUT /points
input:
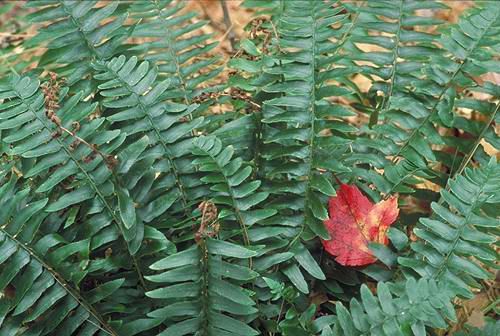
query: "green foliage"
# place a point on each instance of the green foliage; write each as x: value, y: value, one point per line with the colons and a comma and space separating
x: 136, y: 108
x: 200, y: 290
x: 297, y: 118
x: 460, y: 231
x: 445, y: 258
x: 396, y: 311
x: 41, y: 272
x: 176, y: 46
x: 230, y: 188
x: 491, y: 328
x: 127, y: 207
x: 74, y: 36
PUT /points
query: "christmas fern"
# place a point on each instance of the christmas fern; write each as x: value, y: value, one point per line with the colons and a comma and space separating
x: 459, y: 231
x: 445, y: 259
x: 129, y: 205
x: 177, y: 46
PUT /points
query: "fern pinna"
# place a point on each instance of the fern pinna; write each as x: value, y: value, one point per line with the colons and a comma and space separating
x: 129, y: 205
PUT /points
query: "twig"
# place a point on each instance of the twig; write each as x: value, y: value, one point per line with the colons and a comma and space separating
x: 229, y: 25
x: 279, y: 315
x: 471, y: 153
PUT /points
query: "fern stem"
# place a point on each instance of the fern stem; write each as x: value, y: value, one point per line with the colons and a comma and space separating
x: 205, y: 304
x: 312, y: 110
x: 471, y: 153
x: 60, y: 280
x: 278, y: 318
x: 397, y: 184
x: 258, y: 145
x: 374, y: 117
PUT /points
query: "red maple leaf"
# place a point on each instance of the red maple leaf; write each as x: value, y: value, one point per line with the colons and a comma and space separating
x: 354, y: 223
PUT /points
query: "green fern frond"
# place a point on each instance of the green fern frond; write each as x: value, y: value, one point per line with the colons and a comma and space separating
x: 296, y: 120
x: 228, y: 178
x: 456, y: 246
x: 201, y: 290
x: 34, y: 272
x: 444, y: 78
x: 75, y: 35
x: 405, y: 308
x: 387, y: 45
x: 134, y: 103
x: 300, y: 130
x: 175, y: 43
x: 470, y: 52
x: 47, y: 135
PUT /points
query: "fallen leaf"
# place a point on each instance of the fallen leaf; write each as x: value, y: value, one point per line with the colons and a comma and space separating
x: 354, y: 223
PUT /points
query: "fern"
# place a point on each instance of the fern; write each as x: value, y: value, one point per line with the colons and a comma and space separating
x: 292, y: 122
x: 137, y: 109
x: 171, y: 36
x: 228, y: 178
x: 70, y: 154
x: 69, y: 166
x: 201, y: 288
x: 130, y: 206
x: 448, y: 241
x: 35, y: 271
x: 470, y: 44
x: 398, y: 309
x: 75, y: 36
x: 400, y: 49
x: 292, y: 148
x: 443, y: 80
x: 442, y: 258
